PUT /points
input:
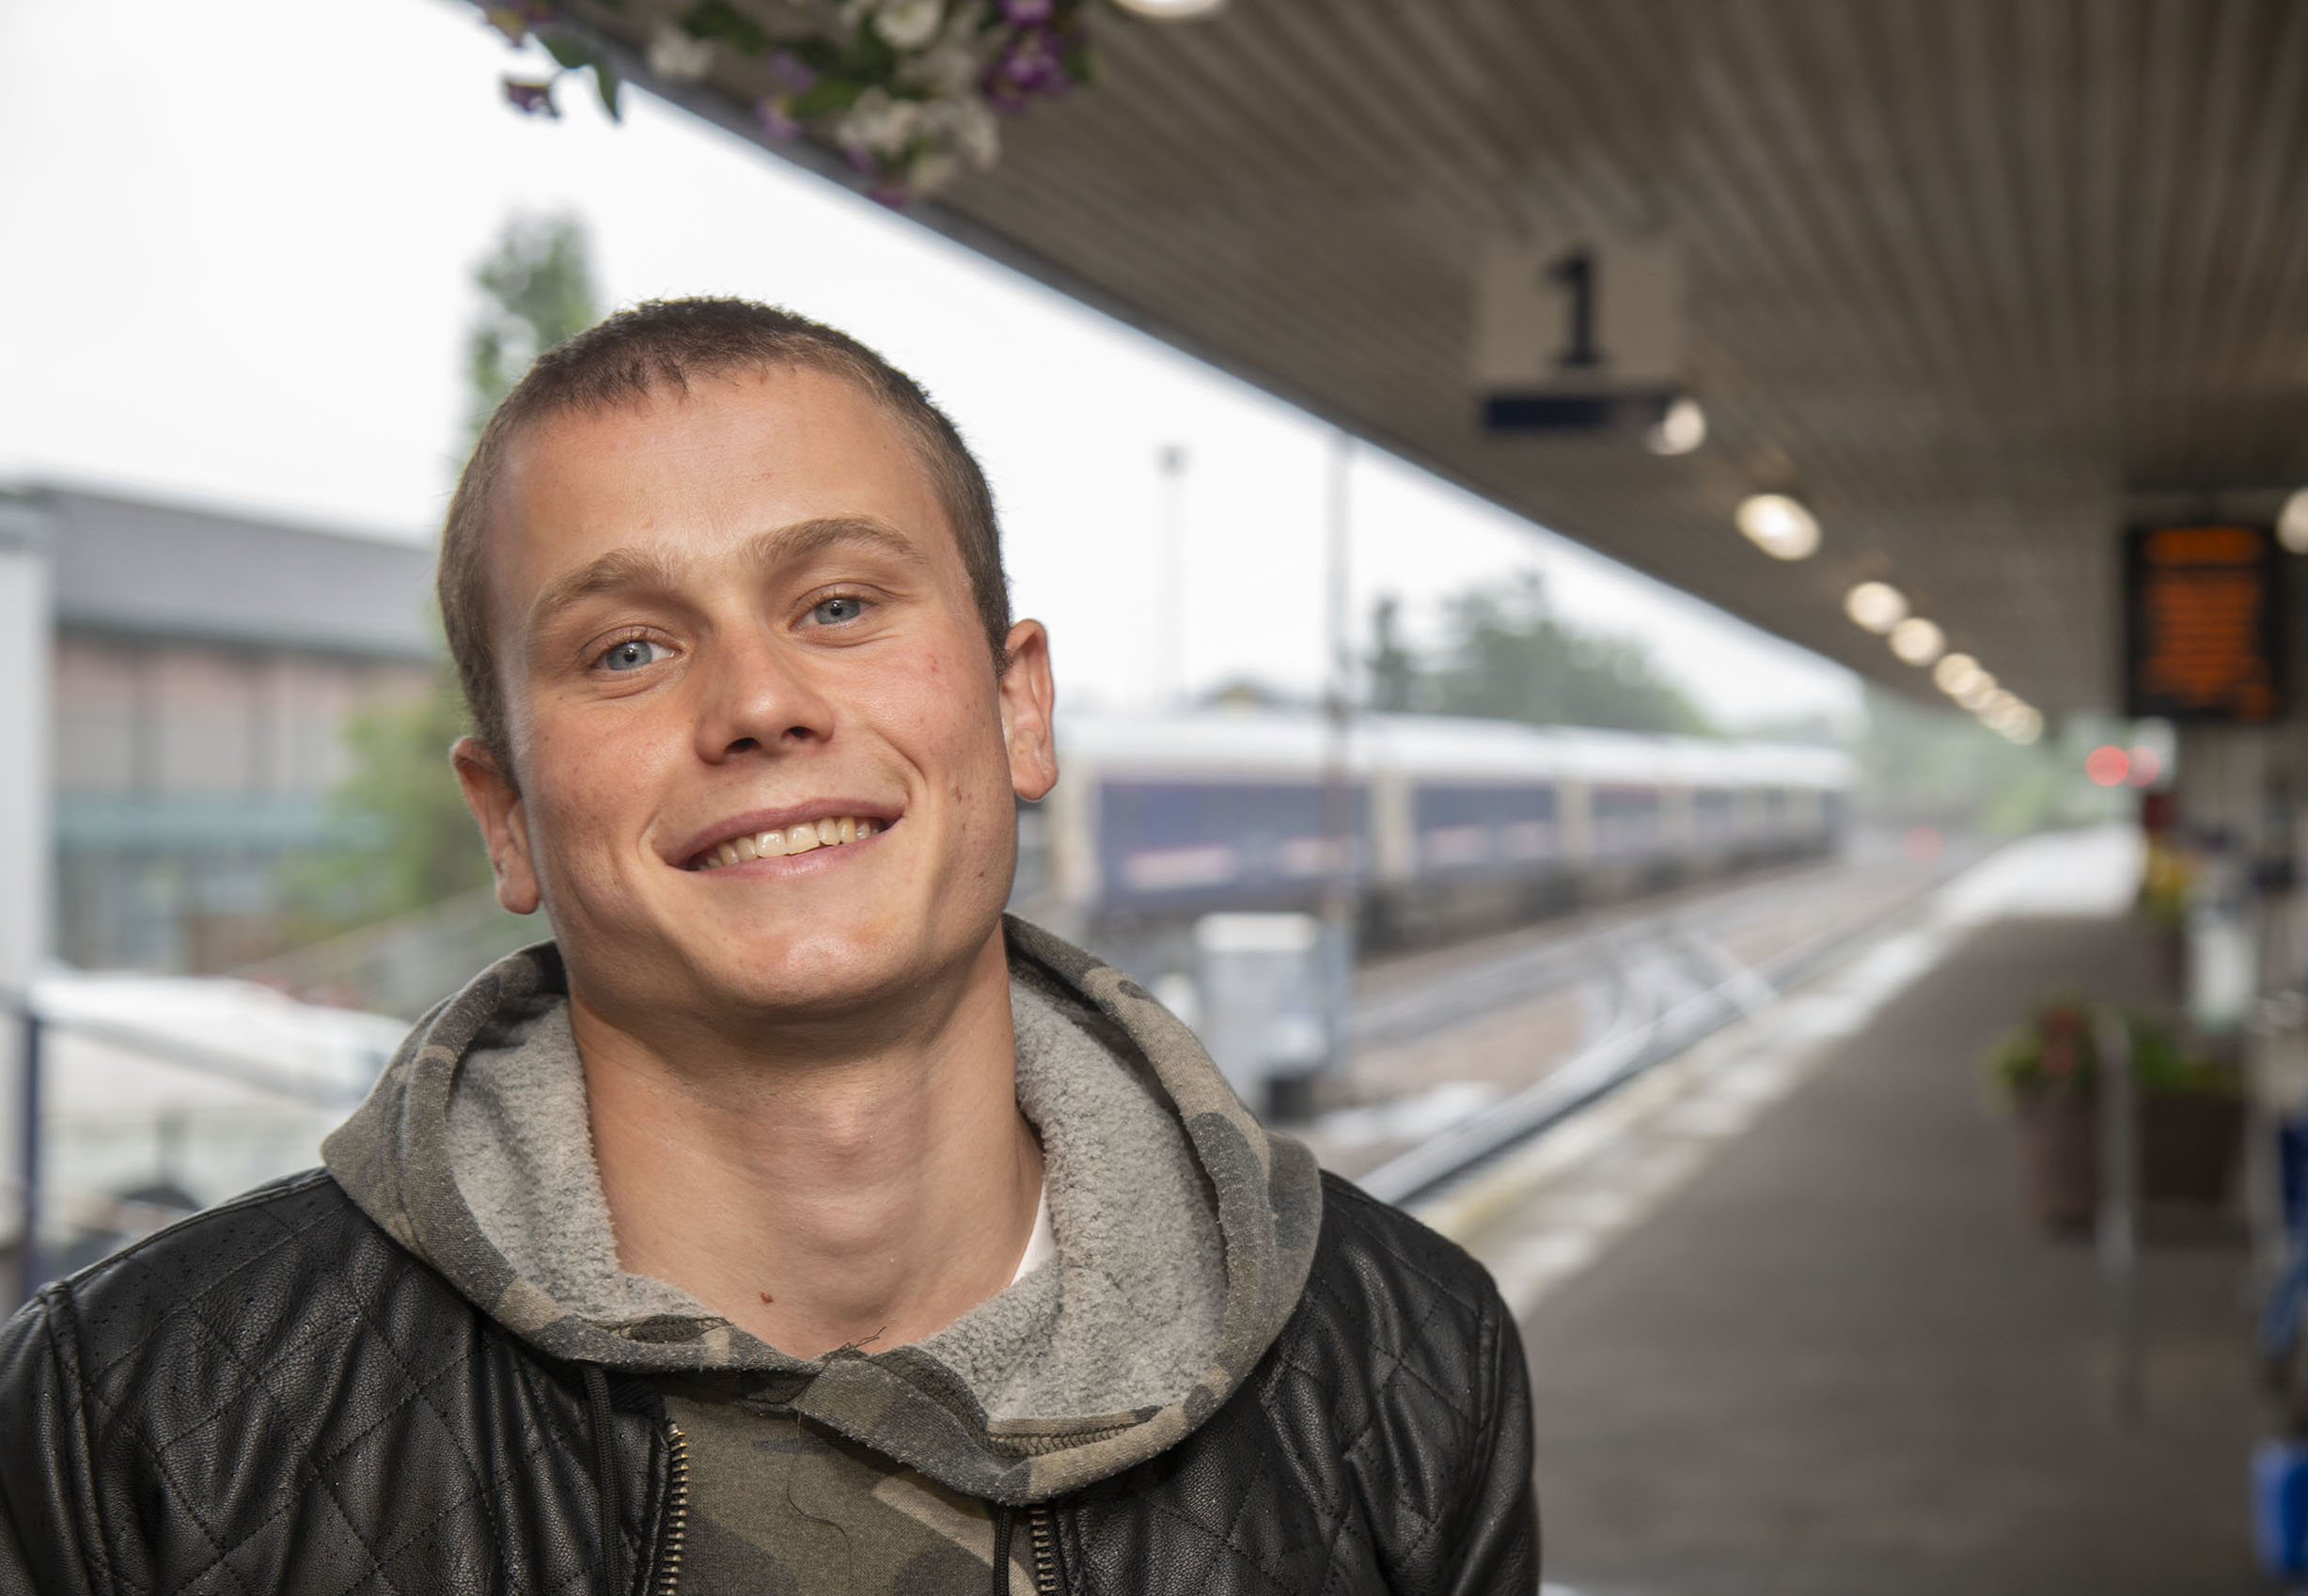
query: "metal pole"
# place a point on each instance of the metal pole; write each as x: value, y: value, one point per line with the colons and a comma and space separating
x: 2119, y: 1210
x: 35, y: 1275
x: 1171, y: 646
x: 1338, y: 901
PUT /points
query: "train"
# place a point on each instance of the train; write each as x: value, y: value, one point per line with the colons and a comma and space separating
x: 1449, y: 825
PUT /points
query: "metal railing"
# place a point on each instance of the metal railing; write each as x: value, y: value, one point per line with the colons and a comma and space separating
x: 37, y: 1032
x: 1626, y: 1052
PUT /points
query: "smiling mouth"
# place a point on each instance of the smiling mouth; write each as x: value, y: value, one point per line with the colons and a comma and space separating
x: 804, y: 836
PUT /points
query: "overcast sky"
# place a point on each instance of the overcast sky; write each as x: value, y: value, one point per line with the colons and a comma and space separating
x: 235, y: 253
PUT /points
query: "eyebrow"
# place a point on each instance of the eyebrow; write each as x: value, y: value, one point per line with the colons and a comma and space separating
x: 649, y: 571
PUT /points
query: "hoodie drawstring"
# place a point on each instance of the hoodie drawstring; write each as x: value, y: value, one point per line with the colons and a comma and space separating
x: 604, y: 1477
x: 1003, y: 1525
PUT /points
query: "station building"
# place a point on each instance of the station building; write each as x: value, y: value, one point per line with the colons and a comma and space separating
x: 203, y: 667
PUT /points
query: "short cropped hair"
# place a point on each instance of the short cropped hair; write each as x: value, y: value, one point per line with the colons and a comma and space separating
x: 660, y: 346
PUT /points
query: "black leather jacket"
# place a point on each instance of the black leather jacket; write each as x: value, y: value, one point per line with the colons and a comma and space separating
x: 276, y: 1397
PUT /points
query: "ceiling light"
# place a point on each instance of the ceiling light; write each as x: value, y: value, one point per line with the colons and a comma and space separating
x: 2292, y: 522
x: 1917, y: 640
x: 2014, y: 719
x: 1979, y: 694
x: 1778, y: 525
x: 1683, y: 429
x: 1879, y: 606
x: 1171, y: 10
x: 1955, y: 673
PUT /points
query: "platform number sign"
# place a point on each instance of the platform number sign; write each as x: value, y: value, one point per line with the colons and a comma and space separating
x: 1577, y: 335
x: 1574, y: 269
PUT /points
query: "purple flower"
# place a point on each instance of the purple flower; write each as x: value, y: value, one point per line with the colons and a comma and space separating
x: 530, y: 98
x: 891, y: 192
x: 791, y: 70
x: 774, y: 116
x: 1029, y: 64
x: 1024, y: 13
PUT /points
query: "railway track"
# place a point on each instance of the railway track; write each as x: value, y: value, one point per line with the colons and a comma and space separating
x: 1672, y: 983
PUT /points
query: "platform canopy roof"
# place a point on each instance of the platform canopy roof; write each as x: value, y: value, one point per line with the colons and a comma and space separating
x: 1978, y: 278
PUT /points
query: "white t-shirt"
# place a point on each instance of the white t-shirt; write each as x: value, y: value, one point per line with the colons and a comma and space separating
x: 1043, y: 1243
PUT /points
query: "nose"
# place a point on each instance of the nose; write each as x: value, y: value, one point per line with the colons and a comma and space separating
x: 755, y: 697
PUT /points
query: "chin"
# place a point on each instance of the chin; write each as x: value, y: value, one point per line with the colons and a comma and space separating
x: 812, y: 966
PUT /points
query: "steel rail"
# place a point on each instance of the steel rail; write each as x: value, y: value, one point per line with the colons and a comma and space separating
x: 1620, y: 1056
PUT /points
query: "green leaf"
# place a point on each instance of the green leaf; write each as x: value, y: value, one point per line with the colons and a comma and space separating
x: 825, y: 96
x: 871, y: 56
x: 718, y: 19
x: 821, y: 55
x: 567, y: 49
x: 606, y: 83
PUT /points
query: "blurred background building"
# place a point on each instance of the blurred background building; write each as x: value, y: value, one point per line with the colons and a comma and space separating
x: 205, y: 670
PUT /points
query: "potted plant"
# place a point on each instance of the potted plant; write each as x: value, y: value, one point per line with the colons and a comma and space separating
x: 2047, y: 1071
x: 2189, y: 1112
x: 2191, y: 1118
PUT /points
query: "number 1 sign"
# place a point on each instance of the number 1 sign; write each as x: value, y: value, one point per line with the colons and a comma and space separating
x: 1579, y: 335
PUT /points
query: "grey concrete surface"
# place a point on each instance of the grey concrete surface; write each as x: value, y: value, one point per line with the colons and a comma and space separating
x: 1841, y: 1363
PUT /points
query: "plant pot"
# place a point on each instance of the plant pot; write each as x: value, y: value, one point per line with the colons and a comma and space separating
x: 2058, y: 1160
x: 2190, y: 1147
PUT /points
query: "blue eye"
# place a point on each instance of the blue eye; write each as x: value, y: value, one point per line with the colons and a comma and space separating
x: 834, y: 611
x: 632, y: 654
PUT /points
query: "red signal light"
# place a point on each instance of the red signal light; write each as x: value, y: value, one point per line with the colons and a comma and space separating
x: 2107, y: 765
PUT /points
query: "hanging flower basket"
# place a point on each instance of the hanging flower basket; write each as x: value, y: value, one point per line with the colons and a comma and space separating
x: 911, y: 91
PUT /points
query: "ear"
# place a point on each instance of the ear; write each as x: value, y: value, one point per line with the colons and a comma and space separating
x: 1027, y: 700
x: 495, y: 804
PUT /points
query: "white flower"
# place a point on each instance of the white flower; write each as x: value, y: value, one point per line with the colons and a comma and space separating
x: 932, y: 170
x: 948, y: 67
x: 881, y: 123
x: 909, y: 25
x: 674, y: 55
x: 966, y: 125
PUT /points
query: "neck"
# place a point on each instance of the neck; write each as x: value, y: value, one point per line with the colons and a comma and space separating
x: 866, y: 1198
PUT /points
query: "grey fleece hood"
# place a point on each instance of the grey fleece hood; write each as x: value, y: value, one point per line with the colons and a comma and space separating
x: 1184, y: 1232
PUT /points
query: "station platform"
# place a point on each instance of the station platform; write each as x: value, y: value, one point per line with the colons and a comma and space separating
x: 1791, y: 1331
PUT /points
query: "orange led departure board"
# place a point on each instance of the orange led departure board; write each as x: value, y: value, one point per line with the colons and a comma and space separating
x: 2203, y: 633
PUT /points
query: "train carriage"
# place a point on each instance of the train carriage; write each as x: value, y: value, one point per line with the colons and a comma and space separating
x: 1450, y: 825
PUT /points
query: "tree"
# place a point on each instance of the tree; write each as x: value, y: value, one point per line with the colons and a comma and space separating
x: 1394, y: 670
x: 536, y: 290
x: 1507, y: 655
x: 410, y: 842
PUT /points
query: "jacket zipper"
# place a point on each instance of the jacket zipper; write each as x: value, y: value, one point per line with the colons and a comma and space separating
x: 677, y: 1512
x: 1040, y: 1526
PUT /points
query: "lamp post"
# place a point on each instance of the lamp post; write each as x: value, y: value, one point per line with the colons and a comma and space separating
x: 1171, y: 646
x: 1338, y: 814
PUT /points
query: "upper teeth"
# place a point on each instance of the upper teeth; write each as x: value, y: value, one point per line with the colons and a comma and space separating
x: 797, y: 838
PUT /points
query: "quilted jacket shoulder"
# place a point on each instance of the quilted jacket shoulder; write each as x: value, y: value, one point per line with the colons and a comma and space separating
x: 277, y: 1396
x: 1383, y: 1445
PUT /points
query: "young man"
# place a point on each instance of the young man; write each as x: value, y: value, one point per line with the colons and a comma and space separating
x: 793, y: 1222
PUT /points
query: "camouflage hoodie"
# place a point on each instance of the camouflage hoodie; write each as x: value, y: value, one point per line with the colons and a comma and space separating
x: 1183, y: 1235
